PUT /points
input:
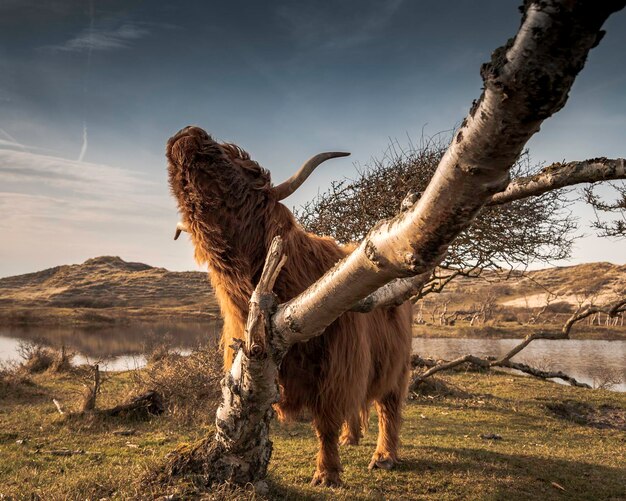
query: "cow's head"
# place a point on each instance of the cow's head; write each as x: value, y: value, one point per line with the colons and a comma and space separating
x: 223, y: 196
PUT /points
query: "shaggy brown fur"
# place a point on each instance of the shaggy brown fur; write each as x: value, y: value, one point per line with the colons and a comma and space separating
x: 232, y: 214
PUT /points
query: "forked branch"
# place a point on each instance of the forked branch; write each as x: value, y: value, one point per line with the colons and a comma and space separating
x: 553, y: 177
x: 241, y: 449
x: 491, y: 362
x: 612, y: 310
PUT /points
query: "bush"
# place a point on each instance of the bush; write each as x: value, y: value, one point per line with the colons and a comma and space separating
x: 39, y: 358
x: 189, y: 384
x: 560, y: 307
x: 12, y: 380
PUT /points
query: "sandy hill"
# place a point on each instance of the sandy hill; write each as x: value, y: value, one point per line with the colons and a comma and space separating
x: 601, y: 282
x: 110, y: 289
x: 108, y: 284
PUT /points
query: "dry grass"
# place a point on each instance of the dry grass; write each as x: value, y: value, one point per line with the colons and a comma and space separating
x: 443, y: 454
x: 13, y: 380
x: 190, y: 384
x: 38, y: 358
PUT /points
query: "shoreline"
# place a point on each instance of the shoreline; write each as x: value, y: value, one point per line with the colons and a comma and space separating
x: 53, y: 317
x: 516, y: 331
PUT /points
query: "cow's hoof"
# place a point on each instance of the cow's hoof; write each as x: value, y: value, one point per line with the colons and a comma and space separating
x: 384, y: 462
x: 326, y: 479
x: 349, y: 440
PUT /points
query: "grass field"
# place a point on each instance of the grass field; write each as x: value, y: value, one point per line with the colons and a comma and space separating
x: 540, y: 455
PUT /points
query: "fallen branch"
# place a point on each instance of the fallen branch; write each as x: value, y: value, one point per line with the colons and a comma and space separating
x: 538, y: 373
x: 491, y: 362
x: 146, y: 404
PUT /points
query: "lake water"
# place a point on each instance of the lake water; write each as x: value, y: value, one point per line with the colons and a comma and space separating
x: 586, y: 360
x: 122, y: 347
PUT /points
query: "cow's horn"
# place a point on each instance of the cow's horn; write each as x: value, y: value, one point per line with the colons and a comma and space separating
x: 180, y: 227
x: 286, y: 188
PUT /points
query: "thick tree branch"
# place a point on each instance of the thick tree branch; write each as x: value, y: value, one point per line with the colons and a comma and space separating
x: 560, y: 175
x: 526, y: 82
x: 393, y: 294
x: 553, y: 177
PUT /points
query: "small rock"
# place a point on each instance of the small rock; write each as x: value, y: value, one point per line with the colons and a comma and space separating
x: 491, y: 436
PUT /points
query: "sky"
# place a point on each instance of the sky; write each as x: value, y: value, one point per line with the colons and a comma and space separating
x: 90, y: 91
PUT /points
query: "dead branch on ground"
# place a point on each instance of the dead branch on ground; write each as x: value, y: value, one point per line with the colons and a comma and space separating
x: 612, y: 310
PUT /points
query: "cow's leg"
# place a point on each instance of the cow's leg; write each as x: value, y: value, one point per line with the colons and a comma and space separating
x: 351, y: 432
x: 328, y: 468
x: 389, y: 409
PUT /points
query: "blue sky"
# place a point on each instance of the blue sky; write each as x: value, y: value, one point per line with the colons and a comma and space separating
x: 91, y: 90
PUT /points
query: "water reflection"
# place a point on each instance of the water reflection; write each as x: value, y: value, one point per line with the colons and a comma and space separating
x: 120, y: 346
x: 123, y: 347
x: 586, y: 360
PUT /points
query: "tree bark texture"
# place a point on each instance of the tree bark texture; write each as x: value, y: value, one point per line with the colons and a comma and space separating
x: 526, y: 81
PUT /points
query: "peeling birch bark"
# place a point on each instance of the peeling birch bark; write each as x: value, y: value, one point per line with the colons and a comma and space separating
x: 241, y: 449
x: 394, y: 293
x: 526, y: 82
x: 553, y: 177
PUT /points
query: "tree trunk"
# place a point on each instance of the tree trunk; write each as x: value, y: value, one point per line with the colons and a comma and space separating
x: 526, y: 82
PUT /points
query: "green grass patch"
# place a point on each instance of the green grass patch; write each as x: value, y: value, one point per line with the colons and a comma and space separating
x: 541, y: 455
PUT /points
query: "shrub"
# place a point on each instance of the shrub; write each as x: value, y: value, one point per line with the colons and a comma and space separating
x: 12, y: 380
x: 189, y: 384
x: 39, y: 358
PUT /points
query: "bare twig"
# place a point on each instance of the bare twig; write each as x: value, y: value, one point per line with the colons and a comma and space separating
x: 612, y: 310
x: 58, y: 406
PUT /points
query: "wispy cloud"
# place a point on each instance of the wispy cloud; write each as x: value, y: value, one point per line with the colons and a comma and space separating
x: 75, y: 192
x: 91, y: 38
x: 83, y: 149
x: 21, y: 166
x: 8, y: 141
